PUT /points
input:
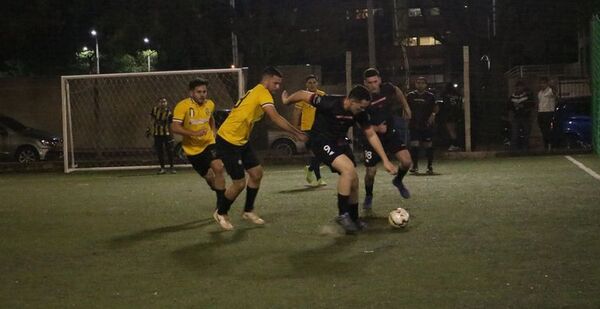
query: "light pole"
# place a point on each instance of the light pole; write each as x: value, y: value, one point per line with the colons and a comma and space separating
x: 147, y: 42
x: 95, y: 35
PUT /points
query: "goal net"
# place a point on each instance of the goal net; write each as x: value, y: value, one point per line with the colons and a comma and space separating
x: 105, y: 117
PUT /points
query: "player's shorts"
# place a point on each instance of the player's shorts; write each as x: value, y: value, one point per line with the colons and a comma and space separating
x: 392, y: 142
x: 201, y: 162
x: 401, y: 126
x: 327, y: 151
x: 236, y: 159
x: 421, y: 135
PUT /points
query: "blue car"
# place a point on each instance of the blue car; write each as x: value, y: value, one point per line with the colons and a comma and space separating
x: 572, y: 123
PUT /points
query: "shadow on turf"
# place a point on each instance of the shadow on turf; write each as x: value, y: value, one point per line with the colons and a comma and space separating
x: 307, y: 188
x: 131, y: 239
x: 200, y: 256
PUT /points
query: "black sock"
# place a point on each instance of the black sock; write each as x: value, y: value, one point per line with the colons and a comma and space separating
x: 220, y: 197
x: 353, y: 211
x: 343, y: 204
x: 453, y: 142
x: 414, y: 153
x: 314, y: 166
x: 401, y: 173
x: 224, y: 206
x: 250, y: 197
x: 429, y: 152
x: 369, y: 189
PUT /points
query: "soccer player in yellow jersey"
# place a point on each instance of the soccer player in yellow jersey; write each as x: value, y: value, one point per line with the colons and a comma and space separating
x: 192, y: 118
x: 304, y: 117
x: 236, y: 153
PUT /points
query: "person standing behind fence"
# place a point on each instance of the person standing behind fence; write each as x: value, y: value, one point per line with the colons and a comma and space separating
x: 161, y: 117
x: 520, y: 105
x: 303, y: 118
x: 423, y: 105
x: 452, y: 110
x: 546, y: 104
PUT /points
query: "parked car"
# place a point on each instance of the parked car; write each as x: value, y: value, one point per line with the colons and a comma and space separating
x: 572, y: 123
x: 24, y: 144
x: 281, y: 143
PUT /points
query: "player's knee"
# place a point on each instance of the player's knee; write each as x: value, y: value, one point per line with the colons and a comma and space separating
x: 239, y: 184
x: 370, y: 172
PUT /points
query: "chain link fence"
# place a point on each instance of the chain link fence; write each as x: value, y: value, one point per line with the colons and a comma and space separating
x: 595, y: 55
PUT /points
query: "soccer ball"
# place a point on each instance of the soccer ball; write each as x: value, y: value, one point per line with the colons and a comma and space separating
x: 398, y: 218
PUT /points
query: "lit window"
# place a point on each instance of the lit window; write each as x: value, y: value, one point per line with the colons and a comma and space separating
x: 434, y: 11
x: 411, y: 41
x: 361, y: 14
x: 414, y: 12
x: 428, y: 41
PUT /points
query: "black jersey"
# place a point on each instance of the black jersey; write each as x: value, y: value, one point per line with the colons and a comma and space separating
x: 332, y: 121
x: 383, y: 105
x: 421, y: 105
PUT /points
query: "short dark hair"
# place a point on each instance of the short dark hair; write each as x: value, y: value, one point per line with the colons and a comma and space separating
x: 311, y: 76
x: 370, y: 72
x: 421, y: 78
x: 271, y: 71
x: 197, y: 82
x: 359, y: 93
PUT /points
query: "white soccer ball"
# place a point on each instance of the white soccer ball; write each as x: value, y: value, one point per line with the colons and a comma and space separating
x: 398, y: 218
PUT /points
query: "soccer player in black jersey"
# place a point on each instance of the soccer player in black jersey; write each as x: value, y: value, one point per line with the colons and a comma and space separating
x: 424, y: 108
x: 328, y: 141
x: 387, y: 101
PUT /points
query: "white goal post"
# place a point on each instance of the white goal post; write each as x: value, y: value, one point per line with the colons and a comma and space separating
x: 105, y: 116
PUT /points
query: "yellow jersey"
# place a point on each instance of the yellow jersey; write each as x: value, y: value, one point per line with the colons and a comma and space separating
x: 308, y: 113
x: 195, y: 117
x: 248, y: 110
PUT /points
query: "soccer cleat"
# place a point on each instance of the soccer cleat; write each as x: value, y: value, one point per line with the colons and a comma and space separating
x: 161, y: 171
x: 453, y: 148
x: 310, y: 178
x: 172, y: 171
x: 223, y: 221
x: 360, y: 224
x: 346, y: 223
x: 368, y: 202
x: 315, y: 183
x: 414, y: 170
x: 252, y: 217
x: 430, y: 170
x: 321, y: 182
x: 401, y: 188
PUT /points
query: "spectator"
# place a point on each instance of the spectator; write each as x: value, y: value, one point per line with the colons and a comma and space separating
x: 546, y: 105
x: 452, y: 109
x: 161, y: 117
x: 520, y: 105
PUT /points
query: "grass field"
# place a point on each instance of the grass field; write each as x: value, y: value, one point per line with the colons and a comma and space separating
x: 495, y: 233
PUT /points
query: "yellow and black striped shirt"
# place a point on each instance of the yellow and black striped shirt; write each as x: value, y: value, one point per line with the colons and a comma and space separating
x: 161, y: 117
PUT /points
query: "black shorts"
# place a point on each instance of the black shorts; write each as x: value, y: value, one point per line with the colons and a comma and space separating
x: 327, y: 151
x: 236, y: 158
x: 421, y: 135
x: 201, y: 162
x: 392, y: 142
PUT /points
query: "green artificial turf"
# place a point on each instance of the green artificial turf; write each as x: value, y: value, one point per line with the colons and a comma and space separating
x: 495, y: 233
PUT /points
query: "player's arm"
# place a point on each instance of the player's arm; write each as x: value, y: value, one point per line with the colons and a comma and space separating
x: 270, y: 110
x: 407, y: 113
x: 297, y: 116
x: 213, y: 125
x: 376, y: 144
x: 300, y: 95
x: 436, y: 110
x: 177, y: 128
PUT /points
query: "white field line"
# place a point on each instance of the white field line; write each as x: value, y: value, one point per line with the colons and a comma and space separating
x: 583, y: 167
